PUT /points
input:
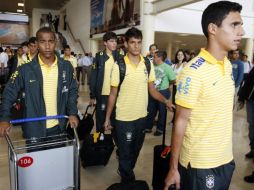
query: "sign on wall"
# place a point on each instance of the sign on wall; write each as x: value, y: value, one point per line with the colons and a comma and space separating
x: 108, y: 15
x: 13, y: 32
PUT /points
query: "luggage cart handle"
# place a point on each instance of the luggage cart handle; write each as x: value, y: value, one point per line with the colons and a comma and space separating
x: 8, y: 140
x: 37, y: 119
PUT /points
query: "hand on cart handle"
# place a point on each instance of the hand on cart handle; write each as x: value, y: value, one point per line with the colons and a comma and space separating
x: 5, y: 127
x: 73, y: 120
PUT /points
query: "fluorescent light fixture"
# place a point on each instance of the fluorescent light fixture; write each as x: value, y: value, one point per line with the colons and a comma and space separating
x: 21, y: 4
x: 183, y: 34
x: 178, y: 41
x: 19, y: 11
x: 184, y: 44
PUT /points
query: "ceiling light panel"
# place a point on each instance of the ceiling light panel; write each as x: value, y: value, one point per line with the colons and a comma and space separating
x: 21, y: 4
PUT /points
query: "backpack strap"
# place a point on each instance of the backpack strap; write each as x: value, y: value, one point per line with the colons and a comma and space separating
x: 148, y: 65
x: 122, y: 68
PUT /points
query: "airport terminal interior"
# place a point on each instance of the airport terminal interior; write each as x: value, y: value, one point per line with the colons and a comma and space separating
x: 81, y: 24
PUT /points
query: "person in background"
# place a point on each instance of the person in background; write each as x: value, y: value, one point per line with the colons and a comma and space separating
x: 4, y: 71
x: 131, y: 100
x: 187, y: 55
x: 152, y: 49
x: 180, y: 62
x: 79, y: 69
x: 56, y: 23
x: 90, y: 55
x: 246, y: 95
x: 100, y: 77
x: 9, y: 52
x: 15, y: 60
x: 201, y: 143
x: 246, y: 66
x: 50, y: 89
x: 165, y: 77
x: 24, y: 46
x: 238, y: 69
x: 32, y: 50
x: 69, y: 57
x: 238, y: 72
x: 86, y: 68
x: 192, y: 55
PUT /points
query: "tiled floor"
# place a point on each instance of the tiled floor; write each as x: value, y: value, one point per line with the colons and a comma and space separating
x: 100, y: 177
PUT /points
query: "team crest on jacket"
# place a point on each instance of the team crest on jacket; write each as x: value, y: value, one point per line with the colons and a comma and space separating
x: 210, y: 181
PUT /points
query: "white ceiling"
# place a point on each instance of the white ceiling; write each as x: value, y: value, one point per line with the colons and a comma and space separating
x: 12, y: 5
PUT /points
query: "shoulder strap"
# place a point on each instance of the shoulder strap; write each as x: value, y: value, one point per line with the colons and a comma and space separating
x: 148, y: 65
x: 122, y: 69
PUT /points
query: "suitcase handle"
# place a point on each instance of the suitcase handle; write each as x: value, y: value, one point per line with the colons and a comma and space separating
x: 164, y: 130
x: 87, y: 108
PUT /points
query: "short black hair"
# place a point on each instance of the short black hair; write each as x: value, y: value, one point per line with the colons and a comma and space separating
x: 24, y: 44
x: 133, y: 33
x: 216, y: 12
x: 109, y: 35
x: 1, y: 49
x: 45, y: 30
x: 32, y: 40
x: 66, y: 47
x: 152, y: 46
x: 161, y: 54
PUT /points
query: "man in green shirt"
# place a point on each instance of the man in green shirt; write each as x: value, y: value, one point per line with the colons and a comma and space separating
x: 164, y: 77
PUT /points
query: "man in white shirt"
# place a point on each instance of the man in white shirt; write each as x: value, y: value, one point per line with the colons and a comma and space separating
x: 247, y: 65
x: 3, y: 58
x: 86, y: 69
x: 3, y: 66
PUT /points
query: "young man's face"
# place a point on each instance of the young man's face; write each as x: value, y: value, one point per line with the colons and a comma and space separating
x: 111, y: 44
x: 20, y: 52
x: 235, y: 55
x: 230, y: 33
x: 157, y: 59
x: 46, y: 44
x: 33, y: 47
x: 134, y: 46
x: 67, y: 51
x: 245, y: 58
x: 25, y: 49
x: 153, y: 49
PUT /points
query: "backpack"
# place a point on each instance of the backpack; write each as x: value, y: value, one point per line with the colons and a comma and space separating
x: 132, y: 185
x: 122, y: 68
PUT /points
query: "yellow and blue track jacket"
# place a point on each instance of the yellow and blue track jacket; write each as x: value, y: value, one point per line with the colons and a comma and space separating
x: 28, y: 78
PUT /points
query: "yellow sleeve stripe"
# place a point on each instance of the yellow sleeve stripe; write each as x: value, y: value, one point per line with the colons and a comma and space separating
x: 114, y: 85
x: 184, y: 104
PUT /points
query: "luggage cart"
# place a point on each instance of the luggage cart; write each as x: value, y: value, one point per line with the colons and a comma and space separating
x: 49, y: 163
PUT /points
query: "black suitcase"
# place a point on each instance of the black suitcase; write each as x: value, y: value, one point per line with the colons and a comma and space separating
x: 160, y: 163
x: 134, y: 185
x: 96, y: 153
x: 85, y: 125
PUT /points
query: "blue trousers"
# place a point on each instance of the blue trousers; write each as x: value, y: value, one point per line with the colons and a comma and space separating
x: 130, y: 136
x: 155, y: 106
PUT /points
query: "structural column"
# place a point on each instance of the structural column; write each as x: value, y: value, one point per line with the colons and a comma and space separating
x: 94, y: 46
x: 147, y: 26
x: 169, y: 50
x: 249, y: 49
